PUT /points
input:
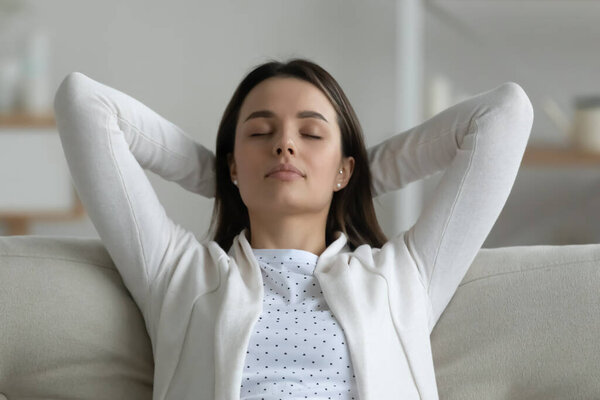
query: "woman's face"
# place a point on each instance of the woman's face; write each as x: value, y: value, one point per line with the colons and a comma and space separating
x: 288, y: 121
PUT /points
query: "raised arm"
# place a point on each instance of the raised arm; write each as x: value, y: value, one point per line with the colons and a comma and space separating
x: 395, y: 163
x: 481, y: 140
x: 108, y: 139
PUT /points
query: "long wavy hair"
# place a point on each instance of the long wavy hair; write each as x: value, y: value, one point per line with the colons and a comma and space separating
x: 351, y: 210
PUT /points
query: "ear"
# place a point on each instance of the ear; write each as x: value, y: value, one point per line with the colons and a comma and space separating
x: 347, y: 169
x: 349, y: 165
x: 232, y: 167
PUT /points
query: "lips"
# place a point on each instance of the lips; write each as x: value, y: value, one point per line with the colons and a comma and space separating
x: 284, y: 167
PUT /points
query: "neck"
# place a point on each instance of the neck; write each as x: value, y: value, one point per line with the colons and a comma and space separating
x: 300, y: 231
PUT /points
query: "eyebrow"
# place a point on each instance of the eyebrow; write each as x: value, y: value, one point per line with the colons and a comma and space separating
x: 271, y: 114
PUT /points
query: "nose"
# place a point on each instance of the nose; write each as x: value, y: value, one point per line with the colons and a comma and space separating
x: 285, y: 144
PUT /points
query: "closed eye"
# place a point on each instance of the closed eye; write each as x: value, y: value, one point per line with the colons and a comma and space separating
x: 310, y: 136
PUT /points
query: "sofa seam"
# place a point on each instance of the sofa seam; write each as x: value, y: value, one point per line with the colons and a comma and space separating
x: 549, y: 265
x: 45, y: 257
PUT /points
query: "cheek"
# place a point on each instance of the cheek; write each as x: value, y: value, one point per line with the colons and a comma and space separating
x: 247, y: 162
x: 324, y: 166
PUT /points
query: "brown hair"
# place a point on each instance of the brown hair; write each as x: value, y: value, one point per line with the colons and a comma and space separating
x: 351, y: 210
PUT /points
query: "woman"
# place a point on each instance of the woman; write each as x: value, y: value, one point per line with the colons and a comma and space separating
x: 299, y: 295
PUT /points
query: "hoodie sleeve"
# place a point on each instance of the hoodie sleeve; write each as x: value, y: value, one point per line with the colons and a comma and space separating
x: 108, y: 139
x: 480, y: 143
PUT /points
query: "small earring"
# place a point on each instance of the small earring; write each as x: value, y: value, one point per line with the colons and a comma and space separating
x: 339, y: 185
x: 340, y: 171
x: 235, y: 182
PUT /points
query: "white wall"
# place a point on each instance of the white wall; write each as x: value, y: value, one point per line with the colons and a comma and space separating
x: 546, y: 205
x: 184, y: 59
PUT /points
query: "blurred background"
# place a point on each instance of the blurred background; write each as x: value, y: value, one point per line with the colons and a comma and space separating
x: 399, y: 62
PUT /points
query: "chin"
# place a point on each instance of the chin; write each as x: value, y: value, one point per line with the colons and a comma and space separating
x: 283, y: 206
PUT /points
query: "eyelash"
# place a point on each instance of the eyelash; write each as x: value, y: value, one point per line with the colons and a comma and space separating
x: 310, y: 136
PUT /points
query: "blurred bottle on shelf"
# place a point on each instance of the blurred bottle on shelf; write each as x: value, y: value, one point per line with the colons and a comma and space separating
x: 583, y: 129
x: 9, y: 74
x: 9, y: 60
x: 439, y: 94
x: 24, y: 61
x: 34, y: 86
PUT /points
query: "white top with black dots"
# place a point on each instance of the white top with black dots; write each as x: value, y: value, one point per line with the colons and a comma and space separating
x: 297, y: 349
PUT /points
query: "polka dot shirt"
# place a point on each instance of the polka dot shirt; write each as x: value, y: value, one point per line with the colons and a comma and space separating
x: 297, y: 349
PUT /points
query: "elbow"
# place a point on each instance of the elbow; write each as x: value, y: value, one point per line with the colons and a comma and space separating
x: 70, y: 93
x: 74, y: 102
x: 515, y: 101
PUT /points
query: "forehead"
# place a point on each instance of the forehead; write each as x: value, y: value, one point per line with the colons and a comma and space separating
x: 286, y: 96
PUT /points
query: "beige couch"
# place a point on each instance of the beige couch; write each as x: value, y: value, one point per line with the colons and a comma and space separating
x: 524, y: 324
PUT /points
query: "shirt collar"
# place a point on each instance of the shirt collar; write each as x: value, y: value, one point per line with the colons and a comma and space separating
x: 335, y: 247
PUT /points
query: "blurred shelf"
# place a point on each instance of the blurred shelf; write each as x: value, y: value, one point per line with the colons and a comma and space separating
x: 18, y: 222
x: 559, y: 156
x: 25, y: 120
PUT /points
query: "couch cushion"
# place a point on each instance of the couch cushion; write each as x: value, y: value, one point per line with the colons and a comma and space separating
x: 70, y: 329
x: 523, y: 324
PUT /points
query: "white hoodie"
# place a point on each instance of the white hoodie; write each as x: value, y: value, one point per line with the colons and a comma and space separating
x: 200, y: 301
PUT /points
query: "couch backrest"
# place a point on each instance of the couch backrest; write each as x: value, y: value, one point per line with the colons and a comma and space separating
x: 523, y: 324
x: 69, y: 328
